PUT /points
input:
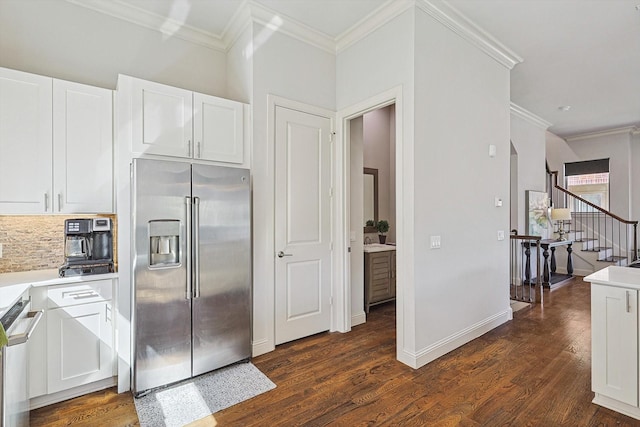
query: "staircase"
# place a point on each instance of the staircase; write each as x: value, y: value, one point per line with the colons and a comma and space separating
x: 600, y: 237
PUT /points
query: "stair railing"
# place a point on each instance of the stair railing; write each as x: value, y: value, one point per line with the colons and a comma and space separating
x: 523, y: 285
x: 600, y: 231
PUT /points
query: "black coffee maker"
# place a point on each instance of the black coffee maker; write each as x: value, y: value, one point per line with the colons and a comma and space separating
x: 88, y: 247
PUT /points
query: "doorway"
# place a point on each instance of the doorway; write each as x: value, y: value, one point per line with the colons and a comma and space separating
x: 372, y: 202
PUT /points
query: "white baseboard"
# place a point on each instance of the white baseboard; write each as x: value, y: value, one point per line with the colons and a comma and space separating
x: 358, y: 318
x: 616, y: 405
x: 261, y: 347
x: 50, y: 399
x: 454, y: 341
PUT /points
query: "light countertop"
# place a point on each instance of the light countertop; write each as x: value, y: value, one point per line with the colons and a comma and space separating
x: 13, y: 285
x: 616, y: 276
x: 378, y: 247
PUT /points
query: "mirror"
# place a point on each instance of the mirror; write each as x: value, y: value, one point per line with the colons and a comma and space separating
x: 370, y: 207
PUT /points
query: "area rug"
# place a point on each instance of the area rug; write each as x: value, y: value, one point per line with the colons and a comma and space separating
x: 518, y: 305
x: 191, y: 400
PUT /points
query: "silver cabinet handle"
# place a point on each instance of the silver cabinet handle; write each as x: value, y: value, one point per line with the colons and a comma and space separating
x: 282, y: 254
x: 59, y: 202
x: 46, y: 202
x: 189, y: 148
x: 199, y: 151
x: 196, y: 247
x: 24, y: 337
x: 187, y: 202
x: 628, y: 305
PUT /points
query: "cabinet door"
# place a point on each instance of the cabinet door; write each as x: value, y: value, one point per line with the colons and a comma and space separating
x: 162, y: 119
x: 25, y: 143
x: 218, y: 129
x: 614, y: 342
x: 379, y: 276
x: 80, y: 349
x: 82, y: 147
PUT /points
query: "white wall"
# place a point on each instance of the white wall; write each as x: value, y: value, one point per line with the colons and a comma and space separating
x: 62, y: 40
x: 529, y: 141
x: 291, y: 69
x: 462, y: 106
x: 635, y: 177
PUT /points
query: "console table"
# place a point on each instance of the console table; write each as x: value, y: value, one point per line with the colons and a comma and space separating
x: 550, y: 279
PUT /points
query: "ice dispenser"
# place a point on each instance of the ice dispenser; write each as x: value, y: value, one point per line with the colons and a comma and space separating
x: 164, y: 243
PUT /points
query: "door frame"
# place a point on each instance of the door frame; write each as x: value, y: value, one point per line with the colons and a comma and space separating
x: 274, y: 101
x: 342, y: 210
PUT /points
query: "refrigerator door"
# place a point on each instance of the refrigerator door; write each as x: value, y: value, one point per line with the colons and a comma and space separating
x: 222, y: 250
x: 161, y: 267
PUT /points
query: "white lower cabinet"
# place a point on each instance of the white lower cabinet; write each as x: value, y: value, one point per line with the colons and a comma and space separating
x: 75, y: 348
x: 614, y: 342
x: 79, y: 347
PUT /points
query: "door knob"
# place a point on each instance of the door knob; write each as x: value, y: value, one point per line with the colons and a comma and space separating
x: 282, y: 254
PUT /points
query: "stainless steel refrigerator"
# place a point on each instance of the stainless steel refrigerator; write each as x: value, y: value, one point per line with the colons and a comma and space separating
x: 191, y: 270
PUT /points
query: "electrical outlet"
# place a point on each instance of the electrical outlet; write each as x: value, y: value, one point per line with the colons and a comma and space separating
x: 500, y: 234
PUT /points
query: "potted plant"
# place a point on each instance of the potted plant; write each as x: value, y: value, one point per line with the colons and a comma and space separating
x: 382, y: 226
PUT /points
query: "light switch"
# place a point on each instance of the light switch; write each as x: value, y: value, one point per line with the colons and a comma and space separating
x: 498, y: 202
x: 435, y: 242
x: 500, y: 234
x: 492, y: 150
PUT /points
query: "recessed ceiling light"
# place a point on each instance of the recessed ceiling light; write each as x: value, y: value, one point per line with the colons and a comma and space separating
x: 564, y: 107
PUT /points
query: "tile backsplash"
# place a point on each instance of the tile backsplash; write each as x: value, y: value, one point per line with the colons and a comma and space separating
x: 36, y: 242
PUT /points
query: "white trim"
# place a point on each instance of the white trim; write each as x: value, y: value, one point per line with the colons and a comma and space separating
x: 261, y: 347
x: 167, y: 26
x: 616, y: 405
x: 520, y: 112
x: 456, y: 340
x: 404, y: 227
x: 465, y: 28
x: 370, y: 23
x: 630, y: 130
x: 50, y: 399
x: 358, y: 319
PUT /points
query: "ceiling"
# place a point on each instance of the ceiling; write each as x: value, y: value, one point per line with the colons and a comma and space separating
x: 579, y: 53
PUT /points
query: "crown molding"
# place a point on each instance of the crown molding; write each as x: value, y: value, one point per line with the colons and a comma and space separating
x: 520, y: 112
x: 451, y: 18
x: 252, y: 12
x: 627, y: 130
x: 383, y: 14
x: 167, y: 26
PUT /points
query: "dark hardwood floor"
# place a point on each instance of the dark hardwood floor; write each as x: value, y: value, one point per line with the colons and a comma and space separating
x: 532, y: 371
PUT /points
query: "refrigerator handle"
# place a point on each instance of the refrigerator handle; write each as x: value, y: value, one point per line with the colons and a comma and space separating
x: 196, y: 248
x: 187, y: 201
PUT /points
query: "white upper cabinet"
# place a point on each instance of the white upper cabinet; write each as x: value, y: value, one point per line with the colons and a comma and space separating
x: 82, y: 148
x: 218, y: 129
x: 169, y: 121
x: 162, y: 119
x: 25, y: 143
x: 56, y: 146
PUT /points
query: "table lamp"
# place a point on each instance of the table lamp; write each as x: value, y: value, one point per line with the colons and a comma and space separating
x: 561, y: 215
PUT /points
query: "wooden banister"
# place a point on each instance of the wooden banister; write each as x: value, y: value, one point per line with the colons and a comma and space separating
x: 588, y: 203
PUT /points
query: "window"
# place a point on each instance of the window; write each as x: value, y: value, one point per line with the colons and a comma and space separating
x: 590, y: 181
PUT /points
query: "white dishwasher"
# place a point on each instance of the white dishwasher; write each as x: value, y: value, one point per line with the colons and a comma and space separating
x: 19, y: 323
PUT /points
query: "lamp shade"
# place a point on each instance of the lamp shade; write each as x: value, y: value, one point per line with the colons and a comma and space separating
x: 560, y: 214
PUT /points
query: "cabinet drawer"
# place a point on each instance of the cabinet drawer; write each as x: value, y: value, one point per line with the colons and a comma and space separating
x: 79, y: 293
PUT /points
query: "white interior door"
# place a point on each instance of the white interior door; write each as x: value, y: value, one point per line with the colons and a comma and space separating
x: 303, y: 224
